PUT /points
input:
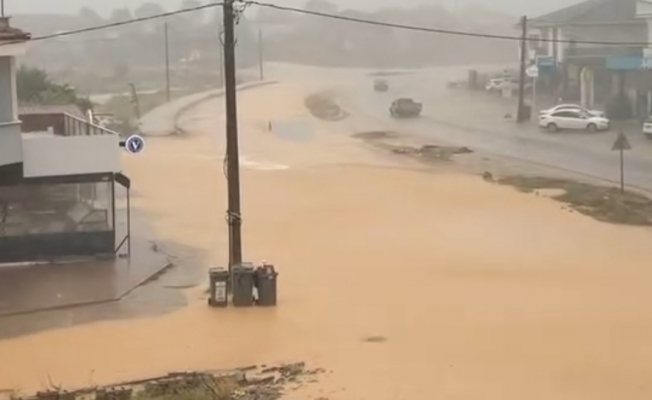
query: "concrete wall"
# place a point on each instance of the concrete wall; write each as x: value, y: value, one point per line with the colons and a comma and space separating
x: 49, y: 155
x: 8, y: 112
x: 10, y: 138
x: 11, y: 144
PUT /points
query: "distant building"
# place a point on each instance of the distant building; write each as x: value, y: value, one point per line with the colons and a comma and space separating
x: 58, y: 173
x: 596, y: 73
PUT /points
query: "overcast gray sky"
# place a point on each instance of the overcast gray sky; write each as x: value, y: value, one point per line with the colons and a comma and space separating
x: 515, y: 7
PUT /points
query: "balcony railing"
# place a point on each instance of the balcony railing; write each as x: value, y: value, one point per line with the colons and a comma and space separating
x: 73, y: 126
x: 61, y: 124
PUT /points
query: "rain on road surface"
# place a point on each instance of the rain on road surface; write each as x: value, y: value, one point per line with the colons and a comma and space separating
x: 472, y: 120
x: 474, y: 295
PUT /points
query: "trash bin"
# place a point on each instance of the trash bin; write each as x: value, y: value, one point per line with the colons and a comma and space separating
x: 266, y: 285
x: 219, y: 278
x: 243, y: 285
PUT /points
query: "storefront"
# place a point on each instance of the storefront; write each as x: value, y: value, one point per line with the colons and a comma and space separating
x: 632, y: 79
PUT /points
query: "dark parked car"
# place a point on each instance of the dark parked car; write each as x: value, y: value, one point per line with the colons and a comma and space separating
x: 405, y: 108
x: 380, y: 85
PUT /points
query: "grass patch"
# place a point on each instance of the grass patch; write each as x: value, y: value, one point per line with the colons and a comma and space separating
x: 389, y: 73
x: 198, y: 387
x: 123, y: 110
x: 603, y: 203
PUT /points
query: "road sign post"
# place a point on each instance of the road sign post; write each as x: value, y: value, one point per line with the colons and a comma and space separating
x: 621, y: 144
x: 533, y: 72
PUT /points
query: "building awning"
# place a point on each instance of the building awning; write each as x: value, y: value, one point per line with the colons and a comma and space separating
x: 628, y: 63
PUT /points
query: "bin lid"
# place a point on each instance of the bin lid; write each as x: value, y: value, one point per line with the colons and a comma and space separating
x: 266, y: 271
x: 246, y: 268
x: 218, y: 271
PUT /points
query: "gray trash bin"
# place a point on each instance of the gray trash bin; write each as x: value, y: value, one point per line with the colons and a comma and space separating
x: 266, y: 285
x: 219, y: 278
x: 243, y: 285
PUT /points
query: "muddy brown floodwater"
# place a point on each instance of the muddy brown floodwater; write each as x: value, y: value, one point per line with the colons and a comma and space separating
x: 407, y: 285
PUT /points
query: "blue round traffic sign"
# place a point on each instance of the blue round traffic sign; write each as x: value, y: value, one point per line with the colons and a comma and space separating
x: 134, y: 144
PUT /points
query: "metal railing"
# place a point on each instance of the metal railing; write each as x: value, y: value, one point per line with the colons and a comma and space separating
x: 74, y: 126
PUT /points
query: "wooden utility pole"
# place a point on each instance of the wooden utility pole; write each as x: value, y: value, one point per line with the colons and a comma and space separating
x: 167, y: 63
x: 261, y: 58
x: 221, y: 56
x: 232, y: 157
x: 520, y: 114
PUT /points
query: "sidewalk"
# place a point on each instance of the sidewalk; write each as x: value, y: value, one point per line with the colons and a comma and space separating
x: 163, y: 119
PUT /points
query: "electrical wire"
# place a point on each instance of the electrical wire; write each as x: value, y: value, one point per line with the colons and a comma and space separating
x: 435, y: 30
x: 246, y: 3
x: 119, y: 23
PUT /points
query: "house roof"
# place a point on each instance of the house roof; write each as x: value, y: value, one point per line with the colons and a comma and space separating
x: 590, y: 12
x: 7, y: 32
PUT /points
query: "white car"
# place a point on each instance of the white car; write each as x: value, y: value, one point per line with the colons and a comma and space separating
x: 572, y: 107
x: 647, y: 127
x: 495, y: 84
x: 575, y: 120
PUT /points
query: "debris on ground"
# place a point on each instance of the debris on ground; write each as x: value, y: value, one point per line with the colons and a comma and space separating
x: 376, y: 135
x: 252, y: 383
x: 432, y: 152
x: 375, y: 339
x: 322, y: 106
x: 603, y: 203
x: 389, y: 140
x: 389, y: 73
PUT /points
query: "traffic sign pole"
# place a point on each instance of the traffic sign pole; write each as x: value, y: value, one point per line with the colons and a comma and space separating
x: 621, y: 144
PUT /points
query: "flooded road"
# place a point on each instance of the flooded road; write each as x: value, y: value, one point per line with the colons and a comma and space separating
x: 476, y: 290
x: 476, y: 120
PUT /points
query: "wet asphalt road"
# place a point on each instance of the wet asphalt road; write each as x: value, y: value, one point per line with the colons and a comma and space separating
x: 476, y: 120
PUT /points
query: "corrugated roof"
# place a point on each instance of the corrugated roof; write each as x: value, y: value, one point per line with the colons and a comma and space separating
x: 590, y: 12
x: 71, y: 109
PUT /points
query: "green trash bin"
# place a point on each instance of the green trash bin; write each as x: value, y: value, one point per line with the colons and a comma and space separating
x: 243, y: 285
x: 266, y: 285
x: 219, y: 278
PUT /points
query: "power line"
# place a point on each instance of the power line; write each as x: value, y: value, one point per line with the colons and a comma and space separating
x: 121, y: 23
x: 435, y: 30
x: 330, y: 16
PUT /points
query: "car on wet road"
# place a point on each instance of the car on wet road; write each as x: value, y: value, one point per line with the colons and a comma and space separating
x: 380, y: 85
x: 405, y: 108
x: 573, y: 120
x: 494, y: 85
x: 572, y: 107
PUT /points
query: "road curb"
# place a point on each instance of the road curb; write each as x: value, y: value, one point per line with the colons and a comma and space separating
x: 209, y: 96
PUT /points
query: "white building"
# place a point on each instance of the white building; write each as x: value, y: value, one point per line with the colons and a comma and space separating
x: 57, y: 174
